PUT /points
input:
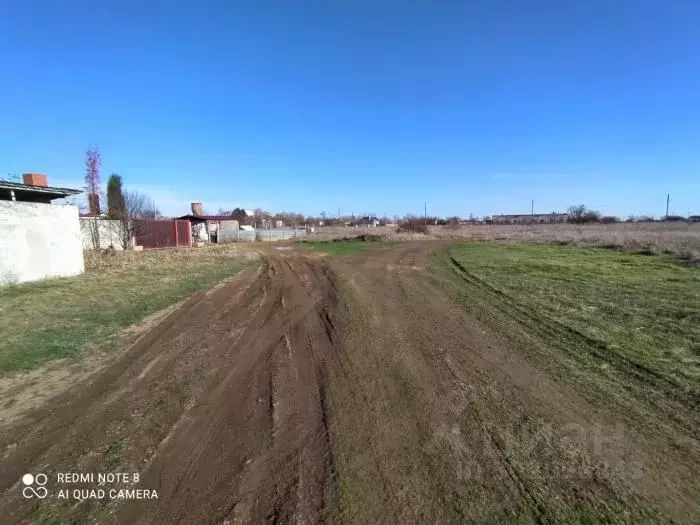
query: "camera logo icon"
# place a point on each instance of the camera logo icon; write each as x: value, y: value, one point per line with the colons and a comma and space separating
x: 34, y: 486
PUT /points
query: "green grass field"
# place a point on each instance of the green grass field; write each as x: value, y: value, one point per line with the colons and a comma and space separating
x: 66, y: 317
x: 342, y: 247
x: 633, y: 313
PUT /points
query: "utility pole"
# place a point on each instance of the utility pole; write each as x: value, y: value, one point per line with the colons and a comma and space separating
x: 425, y: 213
x: 668, y: 199
x: 532, y: 207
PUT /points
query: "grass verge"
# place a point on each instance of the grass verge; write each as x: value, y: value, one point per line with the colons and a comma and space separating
x: 619, y: 313
x: 64, y: 318
x: 345, y: 246
x: 621, y: 330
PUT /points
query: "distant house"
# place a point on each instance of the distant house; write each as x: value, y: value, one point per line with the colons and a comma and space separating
x: 368, y: 222
x: 39, y: 239
x: 548, y: 218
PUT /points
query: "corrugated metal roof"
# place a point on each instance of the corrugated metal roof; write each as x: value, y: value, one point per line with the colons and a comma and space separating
x: 207, y: 217
x: 29, y: 188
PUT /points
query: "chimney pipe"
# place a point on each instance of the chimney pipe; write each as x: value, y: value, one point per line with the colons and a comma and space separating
x: 94, y: 204
x: 197, y: 208
x: 35, y: 179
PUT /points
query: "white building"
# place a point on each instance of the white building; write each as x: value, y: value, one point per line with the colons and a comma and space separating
x: 539, y: 218
x: 38, y: 239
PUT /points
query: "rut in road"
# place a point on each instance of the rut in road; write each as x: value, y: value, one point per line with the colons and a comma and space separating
x: 357, y: 390
x: 471, y: 415
x: 222, y: 409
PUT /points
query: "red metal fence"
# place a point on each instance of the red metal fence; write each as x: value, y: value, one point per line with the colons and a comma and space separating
x: 163, y: 234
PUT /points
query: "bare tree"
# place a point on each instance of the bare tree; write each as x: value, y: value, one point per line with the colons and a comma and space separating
x: 93, y: 230
x: 93, y: 162
x: 137, y: 207
x: 581, y: 214
x: 576, y: 212
x: 91, y: 224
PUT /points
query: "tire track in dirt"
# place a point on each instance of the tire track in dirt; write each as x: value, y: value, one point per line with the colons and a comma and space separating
x: 488, y: 414
x: 642, y: 394
x: 222, y: 408
x: 597, y: 348
x: 401, y: 311
x: 351, y: 390
x: 519, y: 481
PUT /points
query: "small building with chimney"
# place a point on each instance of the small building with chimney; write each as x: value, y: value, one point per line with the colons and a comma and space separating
x: 38, y: 239
x: 205, y: 228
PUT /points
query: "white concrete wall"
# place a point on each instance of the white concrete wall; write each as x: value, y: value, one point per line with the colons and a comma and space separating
x: 109, y: 231
x: 39, y: 241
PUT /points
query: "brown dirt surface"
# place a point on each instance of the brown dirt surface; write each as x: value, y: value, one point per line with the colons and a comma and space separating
x: 349, y: 390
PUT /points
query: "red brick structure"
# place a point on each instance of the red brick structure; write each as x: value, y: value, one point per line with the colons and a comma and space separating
x: 35, y: 179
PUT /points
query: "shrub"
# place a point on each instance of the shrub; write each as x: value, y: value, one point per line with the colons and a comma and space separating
x: 591, y: 216
x: 580, y: 214
x: 412, y: 225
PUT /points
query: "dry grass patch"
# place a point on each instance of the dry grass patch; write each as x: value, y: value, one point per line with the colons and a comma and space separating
x: 69, y: 317
x: 677, y: 239
x: 113, y: 260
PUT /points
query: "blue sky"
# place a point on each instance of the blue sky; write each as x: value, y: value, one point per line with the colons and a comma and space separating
x: 367, y: 106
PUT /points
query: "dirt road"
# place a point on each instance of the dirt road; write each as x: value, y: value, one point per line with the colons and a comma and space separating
x: 346, y: 390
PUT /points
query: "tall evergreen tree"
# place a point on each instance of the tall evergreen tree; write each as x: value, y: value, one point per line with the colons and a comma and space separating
x: 115, y: 196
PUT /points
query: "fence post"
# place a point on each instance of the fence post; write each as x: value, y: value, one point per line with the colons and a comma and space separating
x: 175, y: 229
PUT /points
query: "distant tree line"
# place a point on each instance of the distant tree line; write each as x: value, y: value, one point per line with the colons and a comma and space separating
x: 261, y: 216
x: 579, y: 214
